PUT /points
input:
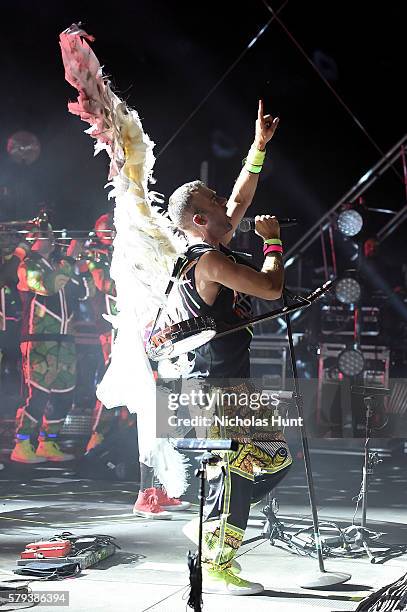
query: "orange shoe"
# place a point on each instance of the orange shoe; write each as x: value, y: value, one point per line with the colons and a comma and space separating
x: 24, y: 452
x: 50, y: 451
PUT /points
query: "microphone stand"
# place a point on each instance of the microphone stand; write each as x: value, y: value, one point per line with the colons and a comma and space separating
x: 322, y: 578
x: 195, y: 559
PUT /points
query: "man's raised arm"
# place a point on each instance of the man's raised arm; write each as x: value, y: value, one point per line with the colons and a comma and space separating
x: 246, y: 183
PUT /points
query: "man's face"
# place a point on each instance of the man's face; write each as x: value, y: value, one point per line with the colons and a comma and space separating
x: 212, y: 209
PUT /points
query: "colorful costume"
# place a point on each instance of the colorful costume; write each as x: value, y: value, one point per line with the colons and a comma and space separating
x: 48, y: 290
x: 263, y: 457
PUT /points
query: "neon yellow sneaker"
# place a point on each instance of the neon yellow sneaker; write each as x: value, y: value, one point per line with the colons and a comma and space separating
x: 226, y: 582
x: 23, y: 452
x: 191, y: 530
x: 50, y: 450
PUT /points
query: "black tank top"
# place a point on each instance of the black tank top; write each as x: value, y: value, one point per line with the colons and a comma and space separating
x: 226, y: 357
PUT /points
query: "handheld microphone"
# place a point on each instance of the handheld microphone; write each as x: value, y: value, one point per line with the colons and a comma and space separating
x: 247, y: 224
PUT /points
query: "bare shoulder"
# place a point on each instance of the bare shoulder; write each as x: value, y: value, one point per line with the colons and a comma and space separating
x: 216, y: 268
x: 210, y: 262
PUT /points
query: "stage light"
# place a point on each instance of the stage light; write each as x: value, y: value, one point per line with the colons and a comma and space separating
x: 349, y: 222
x: 351, y: 362
x: 23, y: 147
x: 348, y: 290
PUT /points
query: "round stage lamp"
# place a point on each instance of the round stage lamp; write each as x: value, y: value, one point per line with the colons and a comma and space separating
x: 348, y: 290
x: 351, y: 362
x: 350, y: 222
x: 23, y: 147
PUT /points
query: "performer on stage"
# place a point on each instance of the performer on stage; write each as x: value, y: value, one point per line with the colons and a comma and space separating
x: 49, y: 289
x: 219, y: 283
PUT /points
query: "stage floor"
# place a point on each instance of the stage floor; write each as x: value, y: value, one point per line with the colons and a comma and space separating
x: 150, y: 571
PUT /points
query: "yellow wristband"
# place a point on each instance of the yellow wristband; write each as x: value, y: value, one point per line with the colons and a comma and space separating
x: 273, y: 241
x: 255, y: 157
x: 253, y: 169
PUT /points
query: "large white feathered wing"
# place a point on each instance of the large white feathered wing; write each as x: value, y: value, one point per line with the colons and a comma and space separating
x: 145, y: 248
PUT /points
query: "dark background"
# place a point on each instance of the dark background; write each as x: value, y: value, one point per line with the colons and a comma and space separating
x: 164, y: 57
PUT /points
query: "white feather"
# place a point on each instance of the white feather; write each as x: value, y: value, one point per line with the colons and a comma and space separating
x: 144, y: 250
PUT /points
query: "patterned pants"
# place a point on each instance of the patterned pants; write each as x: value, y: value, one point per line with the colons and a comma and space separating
x: 49, y: 366
x: 232, y: 485
x: 46, y: 409
x: 261, y: 461
x: 49, y: 370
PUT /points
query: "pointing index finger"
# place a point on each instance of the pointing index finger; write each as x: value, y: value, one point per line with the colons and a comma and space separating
x: 260, y: 111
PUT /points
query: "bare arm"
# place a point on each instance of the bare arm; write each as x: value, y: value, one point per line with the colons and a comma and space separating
x: 246, y: 183
x: 216, y: 269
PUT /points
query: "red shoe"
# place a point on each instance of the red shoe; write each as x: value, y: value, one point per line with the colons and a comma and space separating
x: 170, y: 503
x: 147, y: 506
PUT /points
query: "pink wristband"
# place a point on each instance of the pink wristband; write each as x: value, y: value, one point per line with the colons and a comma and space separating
x: 272, y: 248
